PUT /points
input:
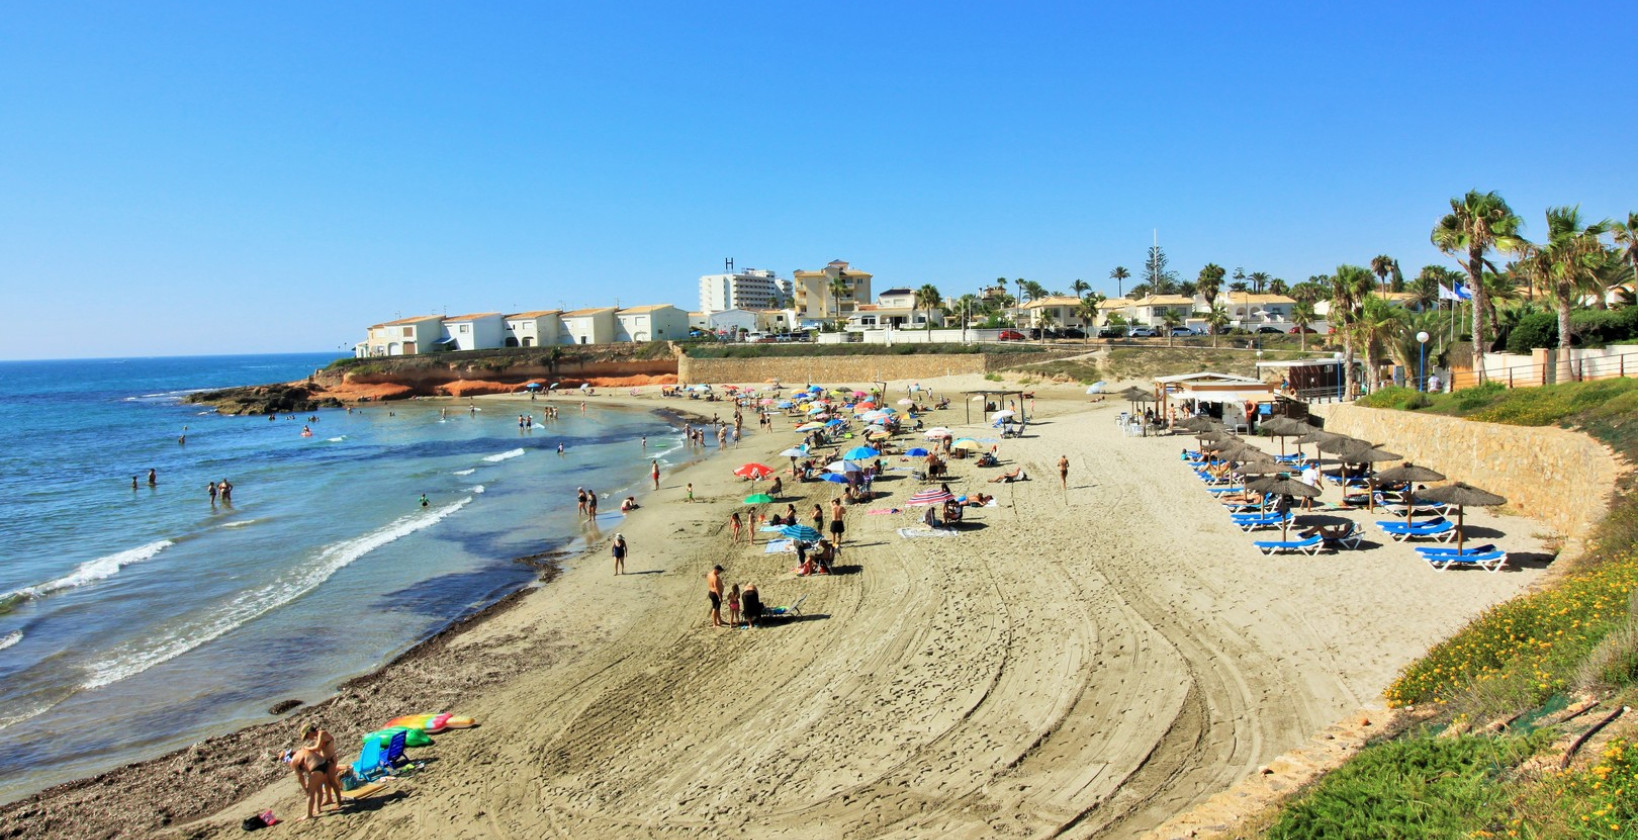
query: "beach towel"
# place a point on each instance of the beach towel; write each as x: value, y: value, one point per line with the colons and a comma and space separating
x: 880, y: 511
x: 780, y: 547
x: 912, y: 533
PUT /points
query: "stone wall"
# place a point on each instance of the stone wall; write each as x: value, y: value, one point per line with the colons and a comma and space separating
x: 1553, y: 475
x: 834, y: 369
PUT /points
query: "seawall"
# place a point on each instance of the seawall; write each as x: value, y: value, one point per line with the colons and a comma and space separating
x: 1554, y: 475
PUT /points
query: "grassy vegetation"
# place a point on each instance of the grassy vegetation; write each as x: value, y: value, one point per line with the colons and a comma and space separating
x: 1420, y: 786
x: 1523, y: 657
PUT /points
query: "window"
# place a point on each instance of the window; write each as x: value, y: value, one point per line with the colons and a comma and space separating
x: 466, y: 328
x: 409, y: 332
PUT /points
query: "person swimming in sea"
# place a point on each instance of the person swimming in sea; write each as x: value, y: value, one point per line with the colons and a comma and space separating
x: 424, y: 501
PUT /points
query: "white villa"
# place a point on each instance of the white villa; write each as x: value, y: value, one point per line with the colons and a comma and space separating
x: 539, y: 328
x: 895, y: 308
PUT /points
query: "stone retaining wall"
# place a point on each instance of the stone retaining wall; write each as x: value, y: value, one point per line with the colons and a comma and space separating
x: 835, y: 369
x: 1553, y: 475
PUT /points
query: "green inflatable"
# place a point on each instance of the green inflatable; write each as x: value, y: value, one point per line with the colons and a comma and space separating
x: 412, y: 737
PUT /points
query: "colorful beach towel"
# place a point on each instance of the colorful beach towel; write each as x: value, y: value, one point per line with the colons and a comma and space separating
x: 882, y: 511
x: 780, y: 547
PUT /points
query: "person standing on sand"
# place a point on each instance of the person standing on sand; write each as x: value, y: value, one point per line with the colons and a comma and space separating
x: 1063, y: 471
x: 619, y: 552
x: 737, y: 526
x: 733, y: 606
x: 690, y: 492
x: 580, y: 497
x: 654, y: 472
x: 837, y: 527
x: 713, y: 590
x: 316, y: 739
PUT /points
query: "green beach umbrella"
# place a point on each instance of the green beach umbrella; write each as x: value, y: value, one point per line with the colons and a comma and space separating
x: 759, y: 499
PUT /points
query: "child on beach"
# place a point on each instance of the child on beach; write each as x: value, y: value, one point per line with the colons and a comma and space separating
x: 690, y: 492
x: 733, y: 606
x: 735, y: 523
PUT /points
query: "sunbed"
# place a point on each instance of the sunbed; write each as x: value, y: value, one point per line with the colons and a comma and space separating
x: 1251, y: 522
x: 1491, y: 561
x: 1427, y: 550
x: 1439, y: 528
x: 1310, y: 545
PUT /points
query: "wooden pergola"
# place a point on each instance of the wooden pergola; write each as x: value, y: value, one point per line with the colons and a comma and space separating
x: 1001, y: 400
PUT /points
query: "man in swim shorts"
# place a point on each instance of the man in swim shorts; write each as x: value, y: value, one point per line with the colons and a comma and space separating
x: 837, y: 528
x: 713, y: 589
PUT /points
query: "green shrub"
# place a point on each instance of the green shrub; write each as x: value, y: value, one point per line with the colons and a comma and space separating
x: 1539, y: 329
x: 1411, y: 788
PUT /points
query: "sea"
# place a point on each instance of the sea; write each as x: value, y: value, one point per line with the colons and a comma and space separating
x: 136, y: 620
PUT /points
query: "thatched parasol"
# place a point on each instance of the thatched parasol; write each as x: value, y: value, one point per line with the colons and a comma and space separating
x: 1461, y: 495
x: 1200, y: 424
x: 1284, y: 427
x: 1363, y: 452
x: 1283, y: 485
x: 1409, y: 474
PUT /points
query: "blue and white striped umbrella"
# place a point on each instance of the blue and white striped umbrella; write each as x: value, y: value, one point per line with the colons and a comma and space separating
x: 805, y: 533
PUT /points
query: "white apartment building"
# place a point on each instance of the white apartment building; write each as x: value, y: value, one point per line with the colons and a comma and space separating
x: 753, y: 289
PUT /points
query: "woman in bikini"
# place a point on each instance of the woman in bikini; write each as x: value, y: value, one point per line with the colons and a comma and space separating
x: 318, y: 740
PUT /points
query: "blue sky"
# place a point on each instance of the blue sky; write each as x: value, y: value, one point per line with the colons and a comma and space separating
x: 241, y: 178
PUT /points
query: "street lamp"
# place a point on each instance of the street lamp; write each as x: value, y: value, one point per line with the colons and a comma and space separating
x: 1422, y: 361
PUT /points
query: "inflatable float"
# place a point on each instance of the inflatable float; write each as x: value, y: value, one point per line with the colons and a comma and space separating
x: 413, y: 737
x: 432, y: 722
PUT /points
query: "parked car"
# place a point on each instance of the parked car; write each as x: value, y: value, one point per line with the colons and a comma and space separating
x: 1071, y: 332
x: 1309, y: 330
x: 1010, y: 335
x: 1111, y: 332
x: 1183, y: 331
x: 1142, y: 332
x: 1269, y: 330
x: 697, y: 333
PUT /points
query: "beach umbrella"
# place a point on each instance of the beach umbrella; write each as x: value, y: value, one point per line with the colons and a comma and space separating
x: 1004, y: 414
x: 785, y: 404
x: 936, y: 432
x: 878, y: 433
x: 1409, y: 474
x: 1367, y: 454
x: 967, y: 444
x: 843, y: 467
x: 858, y: 393
x: 931, y: 496
x: 808, y: 427
x: 801, y: 533
x: 754, y: 471
x: 1283, y: 485
x: 759, y: 499
x: 1216, y: 436
x: 917, y: 452
x: 1284, y: 427
x: 553, y: 385
x: 533, y: 386
x: 858, y: 453
x: 834, y: 421
x: 836, y: 478
x: 766, y: 401
x: 1461, y: 495
x: 794, y: 452
x: 1096, y: 387
x: 1259, y: 467
x: 818, y: 409
x: 585, y: 386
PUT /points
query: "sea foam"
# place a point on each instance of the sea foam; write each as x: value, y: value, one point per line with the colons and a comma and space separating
x: 497, y: 458
x: 10, y: 639
x: 131, y: 659
x: 91, y: 571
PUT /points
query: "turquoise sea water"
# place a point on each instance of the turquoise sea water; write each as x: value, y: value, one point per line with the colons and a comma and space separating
x: 137, y: 621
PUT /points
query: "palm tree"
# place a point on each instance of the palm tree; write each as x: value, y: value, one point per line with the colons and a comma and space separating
x: 1626, y: 236
x: 1171, y: 317
x: 1141, y: 291
x: 1258, y: 280
x: 1302, y: 314
x: 1240, y: 276
x: 1080, y: 287
x: 1210, y: 282
x: 1278, y: 287
x: 1119, y: 275
x: 839, y: 289
x: 1477, y: 224
x: 1383, y: 265
x: 1349, y: 285
x: 926, y: 298
x: 1088, y: 312
x: 1036, y: 290
x: 1310, y: 290
x: 1238, y: 286
x: 1569, y: 259
x: 1378, y: 323
x: 1411, y: 354
x: 1218, y: 320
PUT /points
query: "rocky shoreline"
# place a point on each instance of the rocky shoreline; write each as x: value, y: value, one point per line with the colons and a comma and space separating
x: 290, y: 398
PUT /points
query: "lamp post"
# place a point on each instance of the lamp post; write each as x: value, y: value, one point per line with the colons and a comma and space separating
x: 1422, y: 361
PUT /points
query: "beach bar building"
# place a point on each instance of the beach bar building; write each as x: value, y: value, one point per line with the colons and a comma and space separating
x: 1232, y: 399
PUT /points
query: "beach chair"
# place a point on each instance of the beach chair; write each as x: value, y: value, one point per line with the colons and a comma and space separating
x: 1430, y: 550
x: 1491, y: 561
x: 1347, y: 539
x: 792, y: 611
x: 1439, y: 528
x: 1246, y: 506
x: 1309, y: 546
x: 373, y: 761
x: 1254, y: 522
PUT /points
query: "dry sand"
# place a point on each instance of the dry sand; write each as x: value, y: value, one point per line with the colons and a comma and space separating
x: 1075, y: 663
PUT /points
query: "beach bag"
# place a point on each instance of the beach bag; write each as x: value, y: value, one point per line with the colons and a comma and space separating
x: 349, y: 780
x: 262, y: 820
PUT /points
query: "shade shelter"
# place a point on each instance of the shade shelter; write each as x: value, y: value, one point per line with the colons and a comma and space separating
x: 1000, y: 397
x: 1283, y: 485
x: 1408, y: 474
x: 1461, y: 495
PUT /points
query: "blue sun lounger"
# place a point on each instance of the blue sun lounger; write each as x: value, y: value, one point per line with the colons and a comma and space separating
x: 1310, y: 545
x: 1429, y: 550
x: 1249, y: 522
x: 1490, y: 561
x: 1439, y: 528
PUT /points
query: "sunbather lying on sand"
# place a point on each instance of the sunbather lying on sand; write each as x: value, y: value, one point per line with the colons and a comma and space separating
x: 1008, y: 477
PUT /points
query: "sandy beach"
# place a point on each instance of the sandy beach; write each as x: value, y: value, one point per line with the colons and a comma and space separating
x: 1080, y: 662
